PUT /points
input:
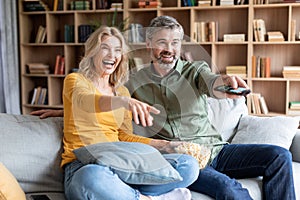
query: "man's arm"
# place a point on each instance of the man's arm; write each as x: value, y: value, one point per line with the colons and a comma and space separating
x: 45, y: 113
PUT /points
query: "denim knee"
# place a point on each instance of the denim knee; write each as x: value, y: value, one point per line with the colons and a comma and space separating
x: 186, y: 165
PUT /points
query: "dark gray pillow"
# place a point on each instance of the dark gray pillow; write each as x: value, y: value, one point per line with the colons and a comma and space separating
x: 135, y: 163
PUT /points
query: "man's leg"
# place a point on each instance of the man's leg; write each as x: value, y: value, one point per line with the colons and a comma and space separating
x: 245, y: 161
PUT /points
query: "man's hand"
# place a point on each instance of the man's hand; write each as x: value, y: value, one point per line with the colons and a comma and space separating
x: 45, y: 113
x: 233, y: 81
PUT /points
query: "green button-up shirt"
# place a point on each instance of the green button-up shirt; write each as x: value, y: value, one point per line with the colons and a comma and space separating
x: 181, y: 97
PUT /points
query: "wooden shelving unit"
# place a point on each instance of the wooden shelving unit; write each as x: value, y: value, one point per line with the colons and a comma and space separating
x: 277, y: 91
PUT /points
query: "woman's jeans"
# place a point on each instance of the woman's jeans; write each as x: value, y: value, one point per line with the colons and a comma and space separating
x: 96, y: 182
x: 238, y: 161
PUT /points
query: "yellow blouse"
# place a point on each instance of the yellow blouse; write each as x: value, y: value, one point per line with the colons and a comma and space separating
x: 85, y: 124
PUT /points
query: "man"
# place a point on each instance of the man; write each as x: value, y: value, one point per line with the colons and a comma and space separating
x: 179, y: 90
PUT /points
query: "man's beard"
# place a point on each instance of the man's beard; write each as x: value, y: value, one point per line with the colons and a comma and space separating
x: 165, y: 65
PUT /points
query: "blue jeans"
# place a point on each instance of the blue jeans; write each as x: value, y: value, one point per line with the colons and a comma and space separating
x: 95, y: 182
x: 237, y: 161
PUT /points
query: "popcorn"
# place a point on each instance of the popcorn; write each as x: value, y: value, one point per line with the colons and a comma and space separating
x: 200, y: 152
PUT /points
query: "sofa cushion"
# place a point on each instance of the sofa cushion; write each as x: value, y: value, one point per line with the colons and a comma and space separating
x: 224, y: 115
x: 9, y: 187
x: 133, y: 162
x: 279, y: 130
x: 31, y: 150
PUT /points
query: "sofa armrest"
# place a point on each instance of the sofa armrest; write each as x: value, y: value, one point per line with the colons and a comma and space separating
x: 295, y: 147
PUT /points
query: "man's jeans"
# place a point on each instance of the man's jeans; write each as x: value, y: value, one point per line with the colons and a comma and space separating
x: 95, y: 182
x: 237, y: 161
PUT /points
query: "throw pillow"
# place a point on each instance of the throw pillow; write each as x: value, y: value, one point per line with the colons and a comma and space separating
x: 279, y: 130
x: 9, y: 187
x: 134, y: 163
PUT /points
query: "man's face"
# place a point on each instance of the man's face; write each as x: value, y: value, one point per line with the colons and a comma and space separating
x: 165, y: 47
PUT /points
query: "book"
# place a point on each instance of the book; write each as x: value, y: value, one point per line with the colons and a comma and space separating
x: 293, y: 30
x: 254, y: 66
x: 55, y: 5
x: 33, y: 96
x: 38, y: 93
x: 263, y: 105
x: 61, y: 70
x: 57, y: 64
x: 261, y: 30
x: 40, y: 35
x: 234, y: 37
x: 255, y: 30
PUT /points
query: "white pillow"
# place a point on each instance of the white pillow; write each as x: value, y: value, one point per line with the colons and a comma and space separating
x: 279, y: 130
x: 224, y: 115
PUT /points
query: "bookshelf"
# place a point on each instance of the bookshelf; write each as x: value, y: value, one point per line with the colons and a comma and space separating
x: 231, y: 19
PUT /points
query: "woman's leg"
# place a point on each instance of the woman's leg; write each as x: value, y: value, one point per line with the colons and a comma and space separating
x: 187, y: 167
x: 95, y: 182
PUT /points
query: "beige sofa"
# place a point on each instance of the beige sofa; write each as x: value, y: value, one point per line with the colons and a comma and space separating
x: 31, y: 148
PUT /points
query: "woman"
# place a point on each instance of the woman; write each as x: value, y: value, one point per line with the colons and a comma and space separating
x: 97, y: 108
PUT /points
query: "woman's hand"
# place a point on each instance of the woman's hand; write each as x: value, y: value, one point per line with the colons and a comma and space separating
x: 165, y: 146
x: 141, y: 112
x: 45, y: 113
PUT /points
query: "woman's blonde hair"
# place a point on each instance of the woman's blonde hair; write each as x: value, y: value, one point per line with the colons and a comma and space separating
x: 92, y: 47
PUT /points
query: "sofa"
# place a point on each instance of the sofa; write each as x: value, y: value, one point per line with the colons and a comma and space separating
x: 31, y: 147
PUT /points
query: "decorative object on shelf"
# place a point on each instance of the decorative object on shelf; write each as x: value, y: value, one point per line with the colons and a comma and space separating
x: 116, y: 6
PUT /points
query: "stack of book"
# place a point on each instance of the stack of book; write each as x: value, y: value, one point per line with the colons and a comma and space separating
x: 34, y: 5
x: 149, y: 4
x: 116, y: 6
x: 237, y: 70
x: 275, y: 36
x: 38, y: 68
x: 206, y: 31
x: 234, y: 37
x: 39, y: 96
x: 258, y: 104
x: 226, y: 2
x: 291, y: 71
x: 294, y: 105
x: 80, y: 5
x: 203, y: 3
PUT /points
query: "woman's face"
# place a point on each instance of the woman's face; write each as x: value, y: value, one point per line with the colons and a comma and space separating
x: 109, y: 56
